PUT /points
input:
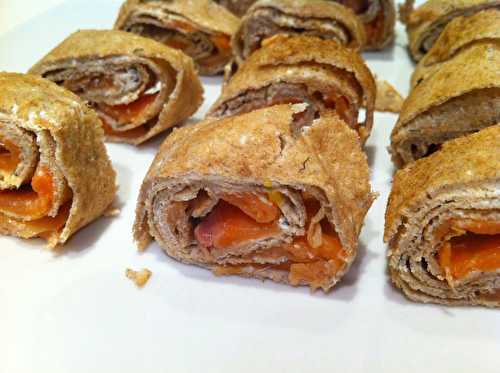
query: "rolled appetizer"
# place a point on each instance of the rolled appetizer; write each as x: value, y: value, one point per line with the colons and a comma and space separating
x: 322, y: 73
x: 460, y: 98
x: 200, y: 28
x: 267, y: 194
x: 323, y: 19
x: 461, y: 33
x: 55, y: 174
x: 378, y: 17
x: 443, y: 224
x: 425, y: 23
x: 138, y: 87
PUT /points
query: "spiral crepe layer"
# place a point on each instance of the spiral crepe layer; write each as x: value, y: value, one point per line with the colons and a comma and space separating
x: 461, y: 182
x: 267, y: 18
x: 460, y: 98
x: 267, y: 152
x: 57, y: 143
x: 116, y: 72
x: 322, y: 73
x: 425, y: 23
x: 200, y: 28
x: 460, y: 34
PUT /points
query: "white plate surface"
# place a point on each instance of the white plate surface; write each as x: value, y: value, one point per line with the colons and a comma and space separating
x: 77, y: 312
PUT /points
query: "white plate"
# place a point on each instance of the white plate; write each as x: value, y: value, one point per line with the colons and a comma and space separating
x: 78, y: 313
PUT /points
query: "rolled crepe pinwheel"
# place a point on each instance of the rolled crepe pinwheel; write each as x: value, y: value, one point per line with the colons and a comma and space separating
x: 461, y: 97
x: 460, y: 34
x: 378, y: 17
x: 55, y: 174
x: 425, y: 23
x: 443, y: 223
x: 200, y: 28
x: 261, y: 194
x: 138, y: 87
x: 322, y: 73
x: 323, y: 19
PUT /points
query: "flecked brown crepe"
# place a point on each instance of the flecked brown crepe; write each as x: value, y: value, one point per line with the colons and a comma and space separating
x: 266, y: 153
x: 200, y: 28
x: 425, y: 23
x: 138, y: 87
x: 460, y: 98
x: 431, y: 202
x: 55, y: 174
x: 323, y: 73
x: 461, y: 33
x: 323, y: 19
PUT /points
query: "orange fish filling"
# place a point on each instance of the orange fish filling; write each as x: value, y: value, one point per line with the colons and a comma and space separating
x: 375, y: 28
x: 10, y: 156
x: 32, y: 203
x: 259, y: 209
x: 478, y: 249
x: 228, y: 226
x: 181, y: 25
x: 341, y: 105
x: 43, y: 227
x: 130, y: 134
x: 241, y: 217
x: 129, y: 113
x: 222, y: 42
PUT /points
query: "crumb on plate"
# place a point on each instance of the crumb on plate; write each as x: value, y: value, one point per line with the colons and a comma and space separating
x: 140, y: 278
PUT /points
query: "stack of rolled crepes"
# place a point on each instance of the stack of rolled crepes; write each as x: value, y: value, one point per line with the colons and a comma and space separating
x: 443, y: 223
x: 264, y: 194
x: 55, y: 175
x: 200, y: 28
x: 378, y: 16
x: 457, y: 95
x: 137, y: 86
x: 323, y: 19
x: 425, y: 23
x: 321, y: 73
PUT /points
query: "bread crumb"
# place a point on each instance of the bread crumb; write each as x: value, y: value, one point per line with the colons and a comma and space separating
x: 388, y: 98
x: 112, y: 212
x: 140, y: 278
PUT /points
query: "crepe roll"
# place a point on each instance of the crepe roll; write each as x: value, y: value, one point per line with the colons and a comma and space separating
x: 379, y: 20
x: 322, y: 73
x: 425, y: 23
x: 378, y: 17
x: 55, y: 174
x: 461, y: 33
x: 200, y: 28
x: 262, y: 194
x: 323, y: 19
x: 443, y: 224
x: 138, y: 87
x: 460, y: 98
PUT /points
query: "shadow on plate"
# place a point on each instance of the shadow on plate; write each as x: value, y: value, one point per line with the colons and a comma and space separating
x: 85, y: 239
x: 212, y: 81
x: 386, y: 54
x: 371, y: 151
